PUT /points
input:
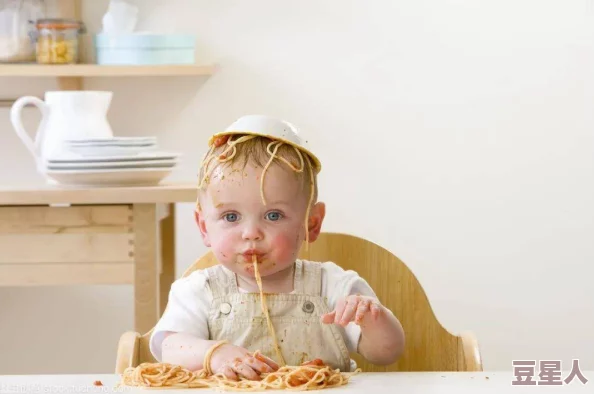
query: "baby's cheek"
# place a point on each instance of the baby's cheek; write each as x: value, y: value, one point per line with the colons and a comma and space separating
x: 223, y: 247
x: 285, y: 245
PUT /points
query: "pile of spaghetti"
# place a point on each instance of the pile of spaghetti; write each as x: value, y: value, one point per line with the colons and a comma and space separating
x: 312, y: 375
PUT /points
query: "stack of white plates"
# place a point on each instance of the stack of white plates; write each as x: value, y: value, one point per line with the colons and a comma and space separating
x: 118, y: 161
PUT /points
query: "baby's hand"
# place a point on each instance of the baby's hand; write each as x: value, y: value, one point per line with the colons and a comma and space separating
x: 235, y: 362
x: 353, y: 308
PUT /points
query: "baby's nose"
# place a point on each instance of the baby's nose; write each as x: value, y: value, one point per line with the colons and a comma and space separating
x: 252, y: 233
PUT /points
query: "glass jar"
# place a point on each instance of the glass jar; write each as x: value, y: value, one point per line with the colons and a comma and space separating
x: 57, y: 41
x: 16, y: 28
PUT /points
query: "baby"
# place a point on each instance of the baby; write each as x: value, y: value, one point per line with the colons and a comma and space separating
x: 257, y: 204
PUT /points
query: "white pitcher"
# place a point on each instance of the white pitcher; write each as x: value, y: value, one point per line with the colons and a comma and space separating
x: 65, y: 115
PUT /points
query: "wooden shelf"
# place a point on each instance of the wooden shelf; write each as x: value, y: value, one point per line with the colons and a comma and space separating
x: 95, y: 70
x: 50, y: 194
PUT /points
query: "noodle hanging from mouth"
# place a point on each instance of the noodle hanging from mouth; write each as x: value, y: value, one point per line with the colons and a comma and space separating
x: 265, y: 311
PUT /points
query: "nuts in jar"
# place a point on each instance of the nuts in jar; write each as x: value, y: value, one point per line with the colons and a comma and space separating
x: 57, y: 41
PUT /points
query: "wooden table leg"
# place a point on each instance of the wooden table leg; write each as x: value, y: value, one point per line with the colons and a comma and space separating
x: 146, y: 285
x: 167, y: 257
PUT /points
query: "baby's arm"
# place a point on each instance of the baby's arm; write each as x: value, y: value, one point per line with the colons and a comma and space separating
x: 382, y: 336
x: 185, y: 350
x: 179, y: 336
x: 233, y: 361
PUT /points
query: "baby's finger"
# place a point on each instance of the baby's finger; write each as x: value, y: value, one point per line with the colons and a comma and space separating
x: 245, y: 370
x: 340, y: 305
x: 328, y: 318
x: 271, y: 363
x: 375, y: 310
x: 362, y: 309
x: 257, y: 365
x: 228, y: 372
x: 349, y: 311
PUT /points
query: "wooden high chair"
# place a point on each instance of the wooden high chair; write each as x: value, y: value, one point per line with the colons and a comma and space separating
x: 429, y: 346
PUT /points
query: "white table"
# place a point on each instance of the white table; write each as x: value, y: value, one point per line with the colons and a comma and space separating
x: 369, y: 383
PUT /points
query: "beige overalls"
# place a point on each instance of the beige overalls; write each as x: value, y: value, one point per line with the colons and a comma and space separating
x: 238, y: 318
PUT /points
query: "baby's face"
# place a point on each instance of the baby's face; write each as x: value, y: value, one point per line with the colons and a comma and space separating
x: 237, y: 226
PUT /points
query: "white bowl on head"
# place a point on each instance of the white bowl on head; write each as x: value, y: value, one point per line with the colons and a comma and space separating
x: 270, y: 127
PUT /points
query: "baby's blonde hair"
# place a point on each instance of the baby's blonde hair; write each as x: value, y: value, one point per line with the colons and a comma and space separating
x: 242, y: 149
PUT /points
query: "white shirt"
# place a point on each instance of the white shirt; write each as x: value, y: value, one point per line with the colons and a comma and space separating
x: 190, y: 301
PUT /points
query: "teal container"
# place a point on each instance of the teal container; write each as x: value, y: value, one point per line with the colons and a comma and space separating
x: 145, y: 49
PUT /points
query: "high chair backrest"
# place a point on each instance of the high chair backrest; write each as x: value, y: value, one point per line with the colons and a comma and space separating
x: 429, y: 346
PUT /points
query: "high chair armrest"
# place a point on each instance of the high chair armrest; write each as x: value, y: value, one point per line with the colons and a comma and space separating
x: 128, y: 351
x: 469, y: 352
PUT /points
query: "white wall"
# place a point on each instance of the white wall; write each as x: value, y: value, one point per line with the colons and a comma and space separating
x: 458, y: 134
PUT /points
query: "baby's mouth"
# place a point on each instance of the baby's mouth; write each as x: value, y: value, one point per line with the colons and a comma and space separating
x: 252, y: 256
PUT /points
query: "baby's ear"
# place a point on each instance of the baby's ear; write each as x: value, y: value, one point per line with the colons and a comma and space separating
x: 199, y: 217
x: 316, y: 218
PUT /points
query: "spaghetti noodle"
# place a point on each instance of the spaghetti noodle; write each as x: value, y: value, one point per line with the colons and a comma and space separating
x: 265, y: 311
x: 312, y: 375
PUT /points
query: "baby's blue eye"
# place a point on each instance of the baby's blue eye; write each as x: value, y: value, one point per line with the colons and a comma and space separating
x: 273, y: 216
x: 230, y: 217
